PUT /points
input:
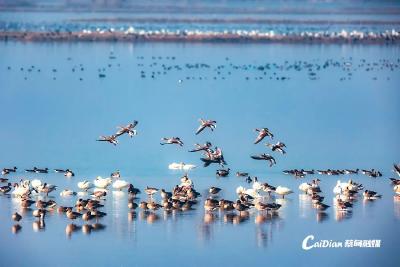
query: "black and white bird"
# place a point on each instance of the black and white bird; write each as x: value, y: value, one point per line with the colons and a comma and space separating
x: 206, y: 124
x: 199, y: 147
x: 171, y: 141
x: 277, y: 147
x: 266, y: 157
x: 263, y: 132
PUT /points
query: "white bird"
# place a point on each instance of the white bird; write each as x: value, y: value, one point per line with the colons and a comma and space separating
x: 281, y: 190
x: 304, y: 187
x: 338, y: 189
x: 20, y: 191
x: 84, y: 185
x: 36, y: 183
x: 102, y: 182
x: 181, y: 166
x: 67, y: 192
x: 120, y: 184
x: 396, y: 189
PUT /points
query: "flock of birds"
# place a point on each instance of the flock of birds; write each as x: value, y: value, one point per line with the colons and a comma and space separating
x: 183, y: 197
x: 160, y: 67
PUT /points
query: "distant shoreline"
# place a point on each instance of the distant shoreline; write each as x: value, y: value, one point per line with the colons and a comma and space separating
x: 107, y: 36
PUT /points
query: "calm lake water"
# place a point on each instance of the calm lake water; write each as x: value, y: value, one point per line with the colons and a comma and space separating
x: 330, y: 119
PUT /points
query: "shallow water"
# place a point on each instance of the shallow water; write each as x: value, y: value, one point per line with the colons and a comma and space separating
x: 52, y: 118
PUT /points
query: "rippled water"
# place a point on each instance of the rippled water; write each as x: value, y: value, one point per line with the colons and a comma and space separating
x: 52, y: 117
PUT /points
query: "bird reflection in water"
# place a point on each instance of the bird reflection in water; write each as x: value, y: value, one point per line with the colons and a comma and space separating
x: 304, y: 205
x: 263, y: 234
x: 71, y: 228
x: 396, y: 206
x: 205, y: 229
x: 16, y: 228
x: 149, y: 217
x: 38, y: 225
x: 341, y: 215
x: 322, y: 216
x: 236, y: 218
x: 132, y: 216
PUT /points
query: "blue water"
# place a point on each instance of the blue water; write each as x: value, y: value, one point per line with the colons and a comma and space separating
x: 52, y: 119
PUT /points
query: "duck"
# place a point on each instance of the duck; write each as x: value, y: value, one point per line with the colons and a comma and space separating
x: 396, y: 169
x: 268, y: 188
x: 371, y: 195
x: 266, y: 157
x: 67, y: 192
x: 280, y: 190
x: 102, y: 182
x: 199, y: 147
x: 210, y: 204
x: 242, y: 174
x: 262, y: 133
x: 45, y: 170
x: 214, y: 190
x: 99, y: 194
x: 132, y: 205
x: 16, y: 216
x: 26, y: 203
x: 132, y: 190
x: 36, y: 183
x: 84, y: 185
x: 21, y: 190
x: 87, y: 216
x: 171, y: 141
x: 69, y: 173
x: 321, y: 206
x: 143, y: 205
x: 164, y: 194
x: 5, y: 188
x: 72, y: 215
x: 120, y: 184
x: 277, y: 147
x: 116, y: 174
x: 150, y: 191
x: 240, y: 207
x: 222, y: 172
x: 46, y: 188
x: 396, y: 189
x: 186, y: 182
x: 304, y: 187
x: 128, y: 129
x: 6, y: 171
x: 112, y: 139
x: 31, y: 170
x: 206, y: 124
x: 39, y: 213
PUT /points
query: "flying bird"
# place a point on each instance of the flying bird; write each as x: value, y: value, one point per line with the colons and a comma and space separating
x: 263, y: 132
x: 266, y: 157
x: 110, y: 139
x: 277, y: 147
x: 206, y: 123
x: 128, y: 129
x: 171, y: 140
